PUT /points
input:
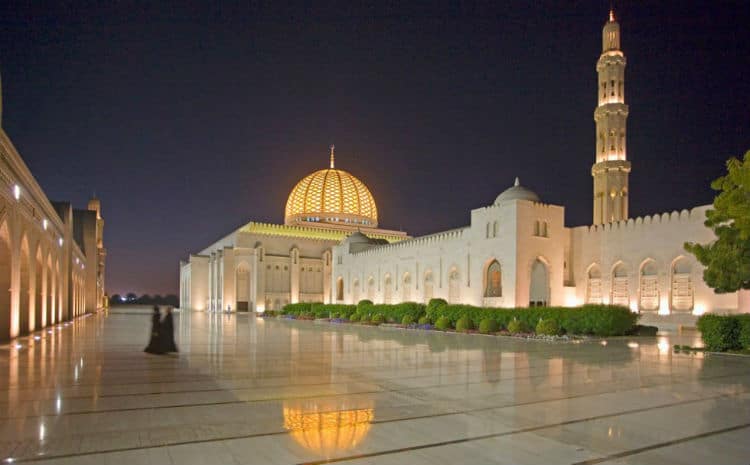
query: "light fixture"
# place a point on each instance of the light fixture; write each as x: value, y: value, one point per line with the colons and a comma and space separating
x: 44, y: 223
x: 17, y: 191
x: 60, y: 242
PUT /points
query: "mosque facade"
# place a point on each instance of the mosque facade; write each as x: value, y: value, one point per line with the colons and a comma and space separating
x: 516, y: 252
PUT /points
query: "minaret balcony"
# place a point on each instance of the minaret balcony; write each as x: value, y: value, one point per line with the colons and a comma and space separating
x: 608, y: 109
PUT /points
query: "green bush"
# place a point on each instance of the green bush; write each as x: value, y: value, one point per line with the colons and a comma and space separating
x: 547, y: 328
x: 334, y: 315
x: 378, y: 319
x: 464, y: 324
x: 433, y: 306
x: 296, y: 309
x: 744, y: 321
x: 407, y: 320
x: 488, y: 326
x: 362, y: 305
x: 424, y: 320
x: 720, y: 333
x: 355, y: 317
x: 443, y: 323
x: 517, y: 326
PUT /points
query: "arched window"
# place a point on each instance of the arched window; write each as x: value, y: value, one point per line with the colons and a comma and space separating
x: 544, y: 229
x: 487, y: 233
x: 454, y: 289
x: 340, y: 288
x: 355, y: 291
x: 620, y: 285
x: 493, y: 280
x: 406, y: 288
x: 427, y: 289
x: 594, y: 285
x: 682, y: 297
x: 649, y: 287
x: 536, y: 228
x: 494, y: 229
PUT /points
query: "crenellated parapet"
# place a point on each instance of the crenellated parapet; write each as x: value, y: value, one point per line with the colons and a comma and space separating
x: 431, y: 239
x: 695, y: 215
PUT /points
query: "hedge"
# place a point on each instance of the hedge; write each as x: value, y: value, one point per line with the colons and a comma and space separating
x: 725, y: 332
x: 598, y: 320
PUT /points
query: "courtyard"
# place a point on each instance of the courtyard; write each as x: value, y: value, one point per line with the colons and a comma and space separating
x: 267, y: 391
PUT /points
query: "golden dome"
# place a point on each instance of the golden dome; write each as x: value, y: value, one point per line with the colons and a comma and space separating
x: 331, y: 196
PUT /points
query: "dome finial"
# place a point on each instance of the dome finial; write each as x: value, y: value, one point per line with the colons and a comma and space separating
x: 517, y: 182
x: 611, y: 14
x: 332, y: 157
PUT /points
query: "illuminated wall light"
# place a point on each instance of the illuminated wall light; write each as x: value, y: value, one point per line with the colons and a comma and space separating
x: 45, y: 223
x: 17, y: 191
x: 699, y: 309
x: 19, y: 346
x: 60, y: 242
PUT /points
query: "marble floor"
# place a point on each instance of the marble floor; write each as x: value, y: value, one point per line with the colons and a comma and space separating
x: 244, y: 390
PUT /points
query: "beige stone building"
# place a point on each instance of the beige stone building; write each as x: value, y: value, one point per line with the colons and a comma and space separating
x: 516, y: 252
x: 52, y: 256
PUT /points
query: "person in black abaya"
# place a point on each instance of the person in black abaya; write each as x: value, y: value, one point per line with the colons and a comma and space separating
x: 154, y: 344
x: 167, y: 333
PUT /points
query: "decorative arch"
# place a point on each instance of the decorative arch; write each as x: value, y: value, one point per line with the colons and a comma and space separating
x: 620, y: 292
x: 371, y: 289
x: 24, y: 309
x: 387, y: 289
x: 51, y: 291
x: 593, y: 284
x: 355, y: 291
x: 406, y: 287
x: 428, y: 289
x: 39, y: 304
x: 454, y: 286
x: 493, y: 279
x: 539, y: 292
x: 5, y: 262
x: 648, y: 289
x: 682, y: 297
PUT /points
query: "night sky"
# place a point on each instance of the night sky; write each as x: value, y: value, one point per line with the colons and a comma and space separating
x: 188, y: 121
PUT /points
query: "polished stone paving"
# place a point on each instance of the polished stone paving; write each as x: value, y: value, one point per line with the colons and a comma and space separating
x: 245, y: 390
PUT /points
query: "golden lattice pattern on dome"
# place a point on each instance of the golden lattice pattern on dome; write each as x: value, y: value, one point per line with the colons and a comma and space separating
x: 328, y: 432
x: 331, y: 196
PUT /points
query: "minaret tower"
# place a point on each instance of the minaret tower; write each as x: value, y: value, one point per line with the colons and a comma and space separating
x: 611, y: 169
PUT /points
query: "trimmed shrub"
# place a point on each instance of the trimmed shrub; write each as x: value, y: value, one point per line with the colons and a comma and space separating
x: 296, y: 309
x: 547, y: 327
x: 443, y: 323
x: 464, y: 324
x: 517, y: 326
x: 744, y: 331
x: 407, y: 320
x: 355, y: 317
x: 378, y: 319
x: 334, y: 315
x: 488, y: 326
x: 720, y: 333
x: 433, y: 306
x: 424, y: 320
x: 362, y: 305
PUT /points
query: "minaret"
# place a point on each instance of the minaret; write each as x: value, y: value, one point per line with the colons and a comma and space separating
x: 611, y: 169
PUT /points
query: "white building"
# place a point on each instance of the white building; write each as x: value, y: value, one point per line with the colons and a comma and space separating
x: 516, y: 252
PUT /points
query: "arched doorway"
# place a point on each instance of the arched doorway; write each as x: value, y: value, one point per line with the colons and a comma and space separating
x: 649, y: 287
x: 4, y: 281
x: 24, y: 289
x: 539, y: 285
x: 339, y: 288
x: 406, y: 288
x: 38, y: 289
x: 682, y: 298
x: 428, y: 288
x: 50, y: 292
x: 454, y: 286
x: 594, y: 285
x: 243, y: 287
x: 620, y: 285
x: 493, y: 280
x: 355, y: 291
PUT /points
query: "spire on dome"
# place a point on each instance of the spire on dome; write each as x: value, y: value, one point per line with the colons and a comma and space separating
x: 332, y: 157
x: 517, y: 182
x: 611, y: 15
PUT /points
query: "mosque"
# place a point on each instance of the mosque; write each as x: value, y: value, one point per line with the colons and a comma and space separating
x: 516, y: 252
x: 52, y: 256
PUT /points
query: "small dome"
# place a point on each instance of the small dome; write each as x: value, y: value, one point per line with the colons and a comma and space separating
x: 517, y: 192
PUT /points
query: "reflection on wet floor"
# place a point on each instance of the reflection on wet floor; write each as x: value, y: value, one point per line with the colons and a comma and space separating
x: 252, y: 390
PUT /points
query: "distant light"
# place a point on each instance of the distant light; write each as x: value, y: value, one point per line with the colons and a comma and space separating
x: 123, y: 298
x: 9, y: 460
x: 604, y: 343
x: 36, y: 338
x: 19, y: 346
x: 17, y: 191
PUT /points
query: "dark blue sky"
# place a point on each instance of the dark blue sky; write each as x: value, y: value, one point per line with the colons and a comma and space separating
x: 190, y: 119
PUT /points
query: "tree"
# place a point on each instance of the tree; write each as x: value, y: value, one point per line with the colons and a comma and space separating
x: 130, y: 297
x: 727, y: 259
x: 115, y: 299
